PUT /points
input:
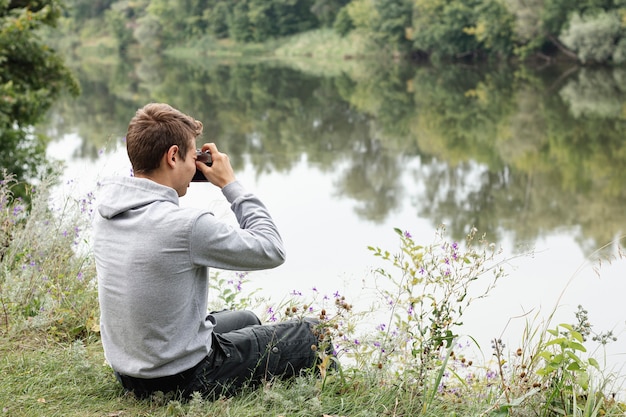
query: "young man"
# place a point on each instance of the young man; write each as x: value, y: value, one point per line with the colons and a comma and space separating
x: 152, y: 260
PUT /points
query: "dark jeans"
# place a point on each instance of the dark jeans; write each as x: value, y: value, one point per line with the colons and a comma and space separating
x: 243, y: 352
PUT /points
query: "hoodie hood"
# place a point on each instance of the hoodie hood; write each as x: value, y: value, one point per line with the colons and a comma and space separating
x: 120, y: 194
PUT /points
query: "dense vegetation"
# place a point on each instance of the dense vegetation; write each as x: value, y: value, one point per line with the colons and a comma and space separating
x: 32, y: 76
x: 585, y: 30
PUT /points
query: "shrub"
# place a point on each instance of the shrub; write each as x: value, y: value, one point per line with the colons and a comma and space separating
x: 593, y: 38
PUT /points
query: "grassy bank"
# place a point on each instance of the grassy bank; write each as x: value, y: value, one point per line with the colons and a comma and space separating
x: 410, y: 362
x: 318, y: 52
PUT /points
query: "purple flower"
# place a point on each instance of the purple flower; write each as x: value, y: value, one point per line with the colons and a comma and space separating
x: 407, y: 234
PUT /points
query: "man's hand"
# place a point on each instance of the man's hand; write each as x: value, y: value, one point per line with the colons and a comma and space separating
x: 220, y: 173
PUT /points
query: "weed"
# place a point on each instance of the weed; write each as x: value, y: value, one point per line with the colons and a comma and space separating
x: 45, y: 280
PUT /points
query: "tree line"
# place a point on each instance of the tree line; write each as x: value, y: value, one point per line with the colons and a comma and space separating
x: 590, y: 31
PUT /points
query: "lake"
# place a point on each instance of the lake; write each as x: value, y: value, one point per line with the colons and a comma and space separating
x: 533, y: 158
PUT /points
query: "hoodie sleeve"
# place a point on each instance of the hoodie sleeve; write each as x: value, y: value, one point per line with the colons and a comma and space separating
x: 255, y: 245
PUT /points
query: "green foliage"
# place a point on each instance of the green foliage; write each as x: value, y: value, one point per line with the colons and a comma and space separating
x: 217, y: 20
x: 116, y: 19
x: 87, y: 9
x: 393, y: 23
x: 440, y: 27
x: 32, y: 74
x: 239, y: 26
x: 494, y: 28
x: 363, y: 14
x: 226, y: 292
x: 326, y: 11
x: 565, y: 372
x: 539, y: 24
x: 343, y: 22
x: 32, y: 77
x: 593, y: 37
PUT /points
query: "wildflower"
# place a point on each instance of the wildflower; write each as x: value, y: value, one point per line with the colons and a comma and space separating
x: 407, y: 234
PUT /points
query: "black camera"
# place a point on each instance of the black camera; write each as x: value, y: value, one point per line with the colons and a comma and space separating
x: 204, y: 157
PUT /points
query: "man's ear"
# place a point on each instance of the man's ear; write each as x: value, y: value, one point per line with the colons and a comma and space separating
x: 172, y: 154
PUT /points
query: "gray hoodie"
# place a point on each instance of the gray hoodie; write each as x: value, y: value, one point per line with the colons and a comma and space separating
x: 152, y: 258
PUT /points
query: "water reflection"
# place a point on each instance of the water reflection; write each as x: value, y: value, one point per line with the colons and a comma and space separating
x: 507, y: 150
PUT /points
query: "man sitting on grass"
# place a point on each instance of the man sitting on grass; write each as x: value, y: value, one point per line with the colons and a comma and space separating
x: 152, y: 259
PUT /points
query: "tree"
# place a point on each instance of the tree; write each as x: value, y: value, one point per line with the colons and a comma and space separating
x: 327, y: 10
x: 217, y: 19
x: 32, y: 76
x: 593, y: 37
x: 539, y: 23
x: 394, y: 20
x: 440, y: 27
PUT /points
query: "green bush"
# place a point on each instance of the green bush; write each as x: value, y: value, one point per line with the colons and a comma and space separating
x: 593, y: 38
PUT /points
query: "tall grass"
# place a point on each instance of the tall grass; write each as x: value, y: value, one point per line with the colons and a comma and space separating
x: 47, y: 279
x: 403, y: 358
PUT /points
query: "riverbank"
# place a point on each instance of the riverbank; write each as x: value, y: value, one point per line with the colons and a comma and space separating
x: 415, y: 364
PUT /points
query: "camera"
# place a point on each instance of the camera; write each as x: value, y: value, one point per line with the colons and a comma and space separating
x: 204, y: 157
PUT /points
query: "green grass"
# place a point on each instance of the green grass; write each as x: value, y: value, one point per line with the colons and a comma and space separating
x: 42, y: 376
x: 317, y: 52
x: 327, y: 44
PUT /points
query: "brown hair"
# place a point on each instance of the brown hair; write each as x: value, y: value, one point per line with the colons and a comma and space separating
x: 153, y: 130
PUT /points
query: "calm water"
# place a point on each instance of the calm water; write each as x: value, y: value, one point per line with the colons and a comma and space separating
x: 534, y: 159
